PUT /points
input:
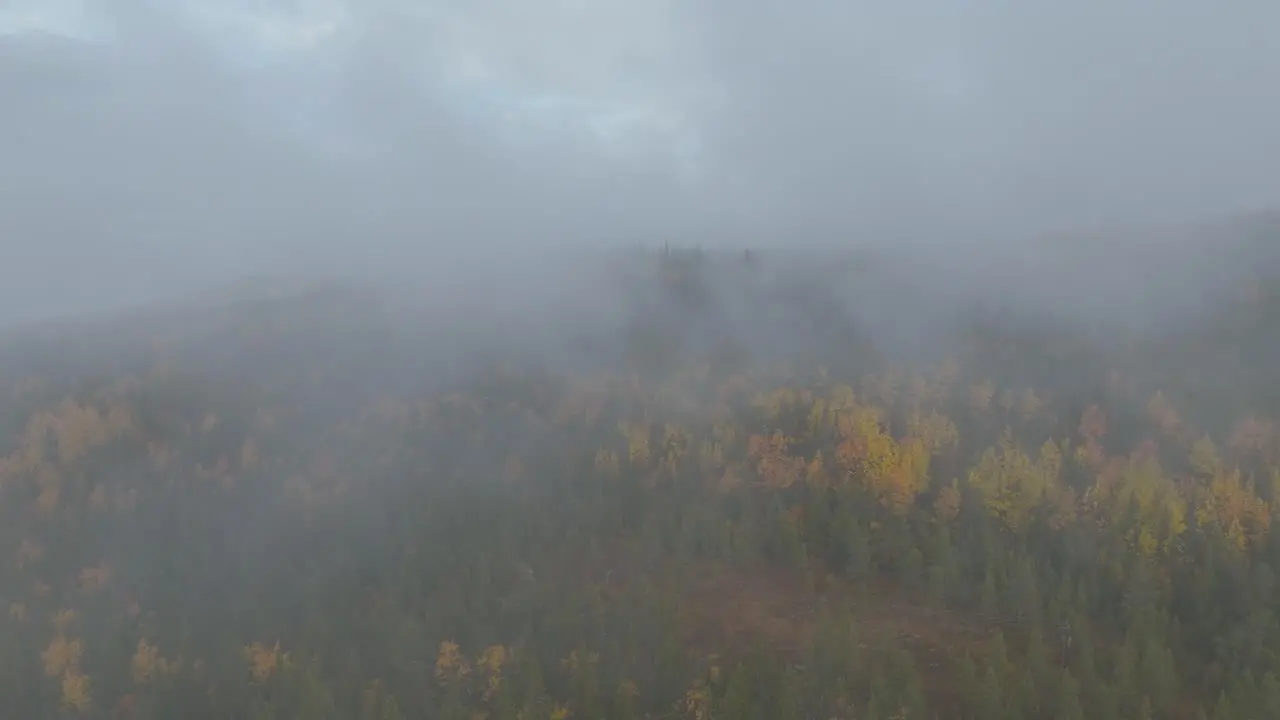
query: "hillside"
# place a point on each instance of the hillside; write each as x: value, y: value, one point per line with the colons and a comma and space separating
x: 735, y: 485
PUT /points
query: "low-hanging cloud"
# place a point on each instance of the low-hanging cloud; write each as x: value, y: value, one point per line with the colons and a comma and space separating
x: 184, y: 143
x: 998, y: 115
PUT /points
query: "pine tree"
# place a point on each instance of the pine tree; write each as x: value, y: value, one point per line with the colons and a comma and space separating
x: 1223, y: 709
x: 1068, y: 704
x: 624, y: 704
x: 1159, y: 677
x: 1269, y: 695
x: 789, y: 694
x: 857, y: 551
x: 1144, y: 709
x: 390, y: 709
x: 990, y: 699
x: 736, y: 702
x: 989, y: 598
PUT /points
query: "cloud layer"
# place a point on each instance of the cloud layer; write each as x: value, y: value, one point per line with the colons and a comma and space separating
x: 148, y: 146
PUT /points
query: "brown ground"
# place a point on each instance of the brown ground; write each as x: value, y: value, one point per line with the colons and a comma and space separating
x: 730, y: 607
x: 727, y: 607
x: 733, y: 607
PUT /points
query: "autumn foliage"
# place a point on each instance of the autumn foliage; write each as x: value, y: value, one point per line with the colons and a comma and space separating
x: 841, y: 538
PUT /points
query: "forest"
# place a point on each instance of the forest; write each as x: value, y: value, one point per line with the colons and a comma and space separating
x: 769, y: 485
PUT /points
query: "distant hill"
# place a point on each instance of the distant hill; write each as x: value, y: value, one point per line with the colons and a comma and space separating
x: 667, y: 483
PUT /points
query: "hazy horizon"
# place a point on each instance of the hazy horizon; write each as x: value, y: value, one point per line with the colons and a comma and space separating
x: 150, y: 148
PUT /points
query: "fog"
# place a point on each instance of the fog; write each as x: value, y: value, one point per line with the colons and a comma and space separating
x: 510, y: 359
x: 147, y: 149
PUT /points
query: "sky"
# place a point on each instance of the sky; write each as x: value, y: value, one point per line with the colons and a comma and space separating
x: 149, y: 146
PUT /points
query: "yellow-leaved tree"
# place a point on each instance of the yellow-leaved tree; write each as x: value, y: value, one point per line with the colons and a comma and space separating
x: 1135, y: 496
x: 1011, y: 484
x: 1229, y: 505
x: 451, y: 665
x: 265, y: 660
x: 75, y: 691
x: 871, y: 456
x: 774, y: 466
x: 637, y: 435
x: 490, y: 664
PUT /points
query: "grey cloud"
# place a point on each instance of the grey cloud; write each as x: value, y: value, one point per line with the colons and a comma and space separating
x: 152, y: 164
x: 1075, y: 113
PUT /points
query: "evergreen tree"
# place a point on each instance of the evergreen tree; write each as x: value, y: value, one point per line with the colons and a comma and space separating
x: 990, y: 697
x: 1068, y: 706
x: 737, y: 699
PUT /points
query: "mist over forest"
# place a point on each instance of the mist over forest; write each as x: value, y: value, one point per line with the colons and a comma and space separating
x: 639, y: 361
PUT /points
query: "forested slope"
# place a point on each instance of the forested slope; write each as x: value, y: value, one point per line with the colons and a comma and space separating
x: 746, y: 497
